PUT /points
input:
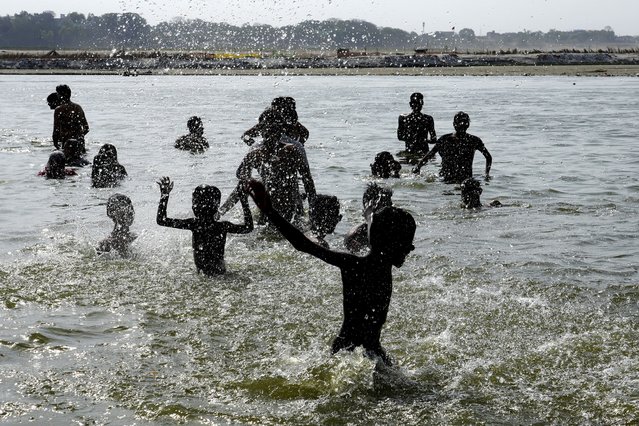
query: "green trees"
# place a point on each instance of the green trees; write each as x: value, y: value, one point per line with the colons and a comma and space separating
x: 131, y: 31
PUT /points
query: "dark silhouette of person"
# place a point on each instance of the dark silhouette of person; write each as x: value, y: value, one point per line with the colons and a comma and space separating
x: 385, y: 166
x: 209, y: 235
x: 74, y: 153
x: 470, y: 195
x: 54, y: 169
x: 367, y: 281
x: 324, y: 218
x: 106, y: 171
x: 457, y: 151
x: 280, y: 166
x: 416, y: 128
x: 53, y: 100
x: 375, y: 198
x: 195, y: 140
x: 285, y: 106
x: 120, y: 210
x: 69, y: 121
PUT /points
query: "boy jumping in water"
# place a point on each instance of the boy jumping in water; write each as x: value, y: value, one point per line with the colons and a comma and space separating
x: 209, y: 235
x: 367, y: 281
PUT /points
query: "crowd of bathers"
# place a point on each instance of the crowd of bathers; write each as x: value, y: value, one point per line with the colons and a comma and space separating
x: 383, y: 240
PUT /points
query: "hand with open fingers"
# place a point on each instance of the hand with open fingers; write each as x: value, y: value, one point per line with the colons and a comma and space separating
x: 165, y: 185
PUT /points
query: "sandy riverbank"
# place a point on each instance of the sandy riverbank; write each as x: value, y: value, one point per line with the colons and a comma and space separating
x: 484, y: 70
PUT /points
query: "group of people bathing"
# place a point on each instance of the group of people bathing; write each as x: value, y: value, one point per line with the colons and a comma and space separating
x: 281, y: 162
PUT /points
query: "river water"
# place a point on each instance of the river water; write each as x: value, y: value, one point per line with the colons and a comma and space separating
x: 524, y: 314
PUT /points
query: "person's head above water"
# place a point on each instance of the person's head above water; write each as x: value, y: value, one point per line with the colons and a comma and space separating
x: 416, y: 101
x: 120, y: 210
x: 53, y: 100
x: 376, y: 197
x: 108, y: 153
x: 461, y: 122
x: 285, y: 106
x: 271, y: 126
x: 385, y: 165
x: 54, y: 168
x: 470, y: 193
x: 64, y: 92
x: 325, y: 214
x: 195, y: 125
x: 206, y: 201
x: 391, y: 231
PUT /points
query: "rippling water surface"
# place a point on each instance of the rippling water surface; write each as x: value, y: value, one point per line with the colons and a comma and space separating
x: 526, y: 314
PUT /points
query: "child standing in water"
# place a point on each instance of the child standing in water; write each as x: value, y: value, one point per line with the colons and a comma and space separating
x: 367, y: 281
x: 209, y: 235
x: 120, y: 210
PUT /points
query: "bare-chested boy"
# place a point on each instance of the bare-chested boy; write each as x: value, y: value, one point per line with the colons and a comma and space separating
x: 367, y: 281
x: 209, y: 235
x: 69, y: 121
x: 457, y: 151
x: 416, y: 129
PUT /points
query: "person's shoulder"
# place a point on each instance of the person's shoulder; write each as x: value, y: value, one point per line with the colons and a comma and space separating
x: 446, y: 137
x: 476, y: 140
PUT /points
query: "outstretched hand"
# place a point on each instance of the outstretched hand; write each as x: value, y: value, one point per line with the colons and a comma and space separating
x: 257, y: 191
x: 165, y: 185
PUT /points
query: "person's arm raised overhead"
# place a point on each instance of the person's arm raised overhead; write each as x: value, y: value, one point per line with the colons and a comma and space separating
x: 292, y: 234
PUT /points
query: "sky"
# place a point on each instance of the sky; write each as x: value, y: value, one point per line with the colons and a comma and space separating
x: 410, y: 15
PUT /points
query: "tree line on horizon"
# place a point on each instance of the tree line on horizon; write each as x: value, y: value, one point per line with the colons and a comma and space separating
x: 131, y: 31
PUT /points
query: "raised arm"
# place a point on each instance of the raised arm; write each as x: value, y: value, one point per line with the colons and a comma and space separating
x: 427, y: 157
x: 248, y: 217
x: 165, y: 188
x: 291, y: 233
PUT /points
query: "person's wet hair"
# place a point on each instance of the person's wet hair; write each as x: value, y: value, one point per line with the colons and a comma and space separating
x: 385, y: 165
x: 53, y: 100
x: 461, y: 119
x: 195, y: 125
x: 416, y: 100
x: 285, y: 106
x: 271, y: 122
x: 471, y: 186
x: 381, y: 196
x: 64, y: 91
x: 391, y: 226
x: 120, y: 209
x: 206, y: 200
x: 470, y: 193
x: 54, y: 168
x: 109, y: 152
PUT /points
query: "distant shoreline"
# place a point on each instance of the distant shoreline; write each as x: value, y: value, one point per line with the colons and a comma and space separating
x: 603, y: 70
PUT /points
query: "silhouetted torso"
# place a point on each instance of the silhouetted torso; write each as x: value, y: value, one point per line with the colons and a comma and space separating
x: 457, y: 154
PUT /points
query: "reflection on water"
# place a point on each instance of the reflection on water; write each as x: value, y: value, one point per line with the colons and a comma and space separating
x: 521, y: 314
